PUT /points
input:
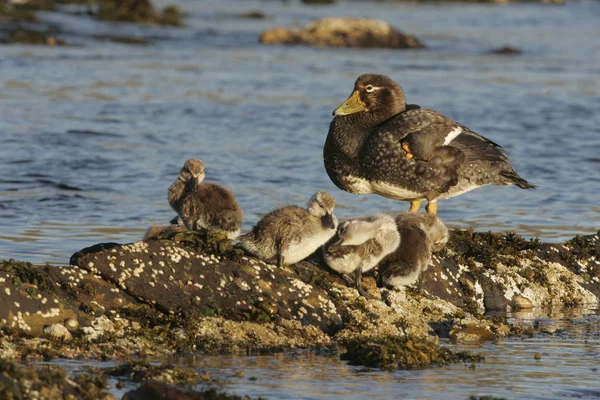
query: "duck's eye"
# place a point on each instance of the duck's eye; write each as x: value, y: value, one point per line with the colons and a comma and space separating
x: 370, y: 89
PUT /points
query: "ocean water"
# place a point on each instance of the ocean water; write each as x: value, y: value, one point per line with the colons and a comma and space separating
x: 93, y: 134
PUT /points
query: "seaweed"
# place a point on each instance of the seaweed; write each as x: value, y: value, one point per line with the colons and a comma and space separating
x: 403, y: 352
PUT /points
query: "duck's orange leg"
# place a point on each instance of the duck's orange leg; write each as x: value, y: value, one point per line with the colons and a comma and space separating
x: 415, y: 205
x: 431, y: 207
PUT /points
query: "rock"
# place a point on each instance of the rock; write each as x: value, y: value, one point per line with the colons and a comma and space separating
x: 190, y: 292
x: 30, y: 36
x: 177, y: 279
x: 521, y: 303
x: 13, y: 13
x: 47, y: 382
x: 253, y: 14
x: 138, y: 11
x: 401, y: 352
x: 470, y: 334
x: 71, y: 324
x: 58, y: 332
x: 154, y: 390
x: 318, y: 1
x: 507, y: 50
x: 343, y: 32
x: 35, y: 297
x: 133, y: 40
x: 141, y: 371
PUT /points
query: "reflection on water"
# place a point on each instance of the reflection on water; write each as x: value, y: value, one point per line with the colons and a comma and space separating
x: 93, y: 135
x: 568, y: 368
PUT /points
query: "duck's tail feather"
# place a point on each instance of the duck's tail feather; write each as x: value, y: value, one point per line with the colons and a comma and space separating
x: 515, y: 179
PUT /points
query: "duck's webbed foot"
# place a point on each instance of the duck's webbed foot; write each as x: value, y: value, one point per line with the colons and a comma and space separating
x: 406, y: 148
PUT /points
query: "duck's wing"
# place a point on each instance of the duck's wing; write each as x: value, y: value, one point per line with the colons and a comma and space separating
x: 412, y: 146
x: 476, y: 147
x: 422, y: 131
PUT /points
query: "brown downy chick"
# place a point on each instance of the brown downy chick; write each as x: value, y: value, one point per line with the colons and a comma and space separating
x: 290, y: 234
x: 204, y: 205
x: 361, y: 244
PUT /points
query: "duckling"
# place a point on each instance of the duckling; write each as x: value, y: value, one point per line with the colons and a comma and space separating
x: 420, y: 235
x: 290, y: 234
x: 204, y: 205
x: 432, y: 225
x: 361, y: 243
x: 379, y: 144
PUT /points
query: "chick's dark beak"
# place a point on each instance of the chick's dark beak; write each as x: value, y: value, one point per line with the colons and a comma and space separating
x: 336, y: 243
x: 328, y: 221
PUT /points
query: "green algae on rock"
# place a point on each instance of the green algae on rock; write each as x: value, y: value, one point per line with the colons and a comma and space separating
x: 48, y: 382
x: 13, y: 13
x: 404, y: 352
x: 138, y: 11
x: 154, y: 390
x: 28, y: 36
x: 139, y: 371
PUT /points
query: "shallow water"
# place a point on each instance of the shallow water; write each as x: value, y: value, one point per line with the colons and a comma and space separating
x: 568, y: 368
x: 93, y: 134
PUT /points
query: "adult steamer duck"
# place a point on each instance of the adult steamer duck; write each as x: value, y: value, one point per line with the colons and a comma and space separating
x: 379, y: 144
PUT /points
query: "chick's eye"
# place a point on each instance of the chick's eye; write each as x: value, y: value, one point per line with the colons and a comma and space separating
x: 370, y: 89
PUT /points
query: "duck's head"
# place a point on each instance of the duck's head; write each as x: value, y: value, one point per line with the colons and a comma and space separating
x: 192, y: 169
x: 375, y: 97
x: 228, y: 219
x: 357, y: 231
x: 354, y: 233
x: 321, y: 205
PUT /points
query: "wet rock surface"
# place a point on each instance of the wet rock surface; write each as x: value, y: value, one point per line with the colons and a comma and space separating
x: 177, y: 279
x: 154, y: 390
x: 343, y: 32
x: 48, y: 382
x: 183, y: 292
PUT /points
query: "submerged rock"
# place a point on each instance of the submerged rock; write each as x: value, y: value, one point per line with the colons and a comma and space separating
x: 507, y: 50
x: 139, y: 11
x: 29, y: 36
x: 343, y: 32
x: 48, y: 382
x: 404, y: 352
x: 153, y: 390
x: 254, y: 14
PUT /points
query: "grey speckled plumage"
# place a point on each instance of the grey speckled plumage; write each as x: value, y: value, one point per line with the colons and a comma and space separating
x: 420, y: 235
x: 290, y: 234
x: 204, y: 205
x: 379, y: 144
x: 360, y: 244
